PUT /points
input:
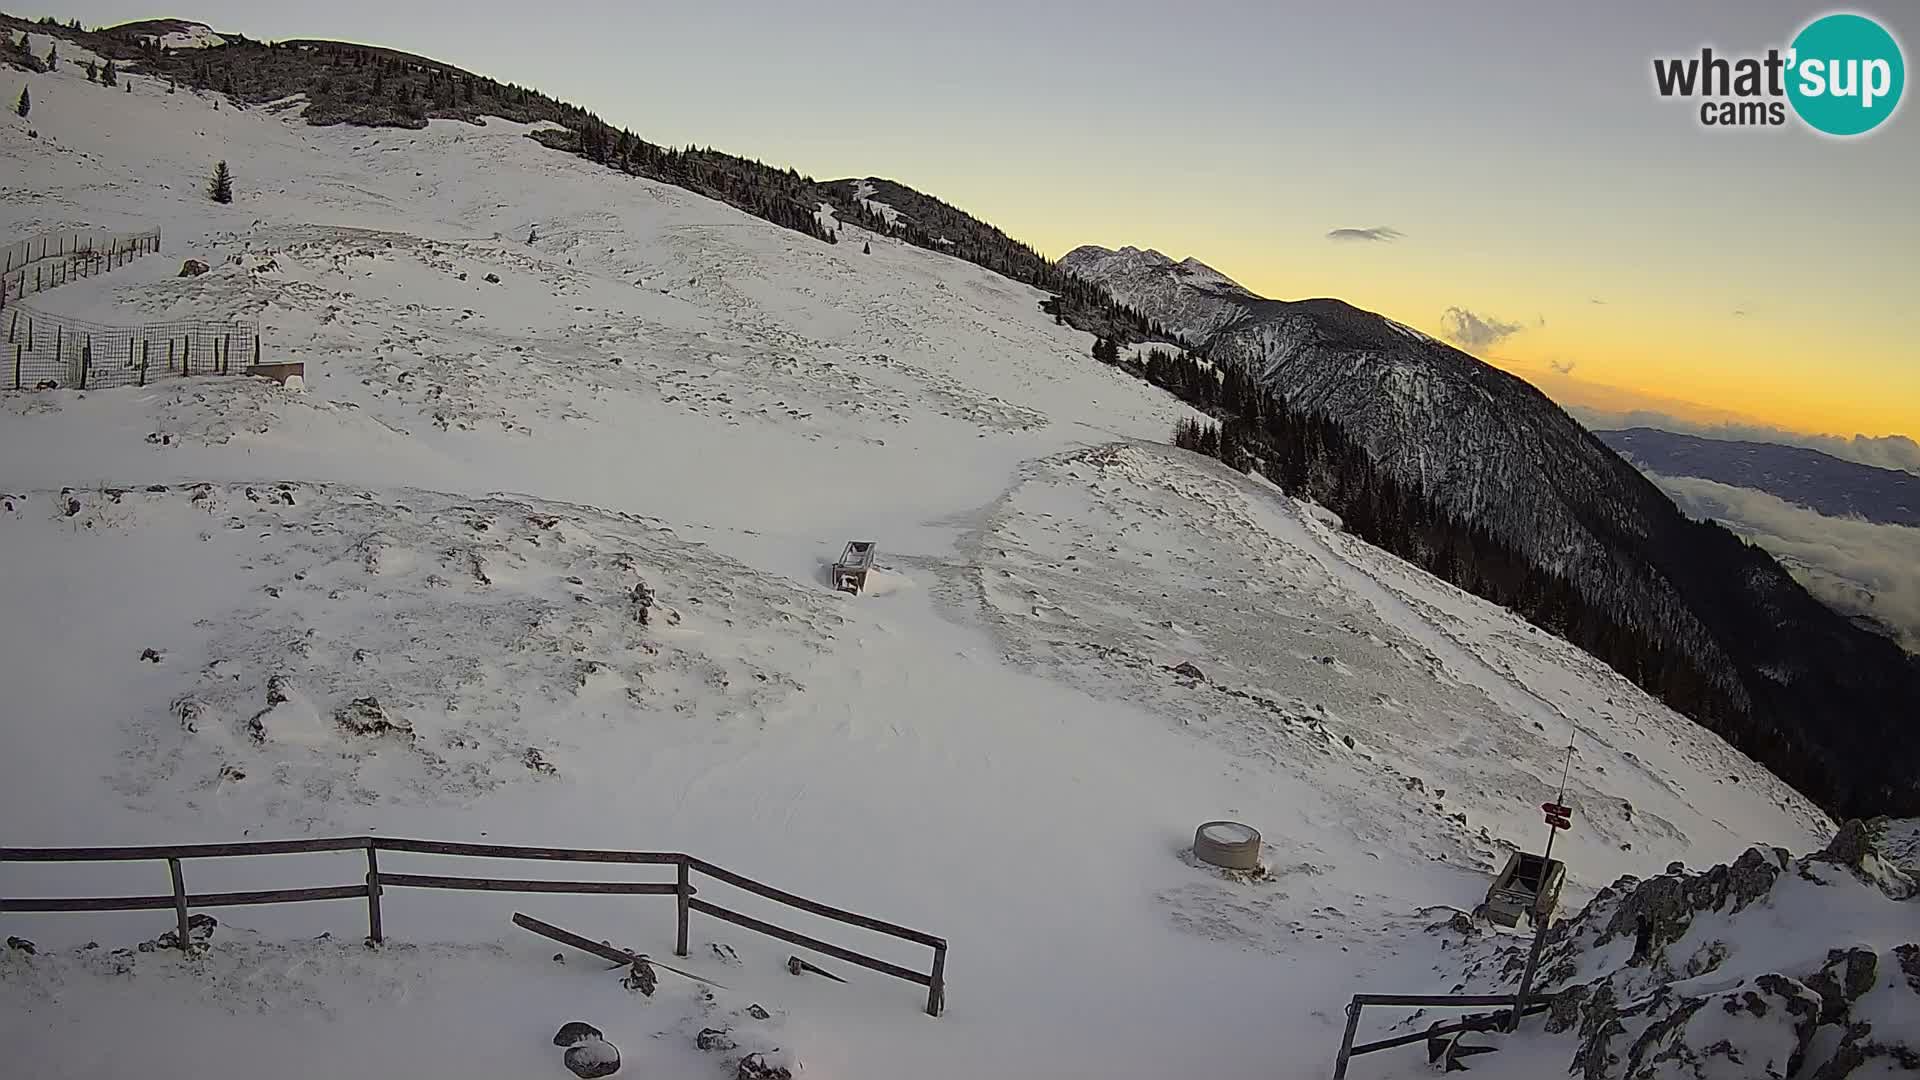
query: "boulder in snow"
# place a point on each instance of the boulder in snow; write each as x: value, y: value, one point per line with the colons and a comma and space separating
x: 575, y: 1031
x: 757, y: 1067
x: 592, y: 1057
x: 193, y: 268
x: 365, y: 716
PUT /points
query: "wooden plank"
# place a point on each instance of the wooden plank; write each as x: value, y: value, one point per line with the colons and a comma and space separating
x: 88, y: 903
x: 1463, y: 1001
x: 815, y: 907
x: 1434, y: 1033
x: 802, y: 940
x: 506, y: 851
x: 568, y: 937
x: 605, y: 952
x: 278, y: 896
x: 181, y: 851
x: 436, y: 881
x: 179, y: 900
x: 937, y: 987
x: 373, y: 895
x: 684, y: 890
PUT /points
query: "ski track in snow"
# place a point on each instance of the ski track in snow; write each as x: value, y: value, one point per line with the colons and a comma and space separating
x: 989, y: 745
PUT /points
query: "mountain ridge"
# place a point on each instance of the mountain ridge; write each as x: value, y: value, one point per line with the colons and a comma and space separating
x: 1799, y: 474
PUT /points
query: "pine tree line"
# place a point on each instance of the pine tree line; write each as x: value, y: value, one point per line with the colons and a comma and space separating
x: 930, y: 223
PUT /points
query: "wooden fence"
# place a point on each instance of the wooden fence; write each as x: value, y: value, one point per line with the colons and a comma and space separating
x: 1349, y: 1051
x: 56, y: 351
x: 45, y: 262
x: 377, y: 880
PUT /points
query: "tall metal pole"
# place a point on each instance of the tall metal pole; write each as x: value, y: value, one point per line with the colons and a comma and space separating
x: 1539, y: 898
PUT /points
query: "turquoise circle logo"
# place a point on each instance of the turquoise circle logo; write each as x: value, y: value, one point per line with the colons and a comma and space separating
x: 1847, y: 74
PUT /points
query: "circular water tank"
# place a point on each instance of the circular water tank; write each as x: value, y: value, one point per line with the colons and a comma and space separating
x: 1228, y: 844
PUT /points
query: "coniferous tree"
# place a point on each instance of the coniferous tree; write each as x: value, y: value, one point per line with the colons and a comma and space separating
x: 222, y: 187
x: 108, y: 74
x: 93, y: 72
x: 53, y: 56
x: 25, y: 104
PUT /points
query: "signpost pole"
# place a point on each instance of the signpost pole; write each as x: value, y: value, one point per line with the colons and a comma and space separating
x: 1554, y: 824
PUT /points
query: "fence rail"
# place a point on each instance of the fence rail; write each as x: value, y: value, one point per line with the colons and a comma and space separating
x: 1348, y: 1050
x: 376, y: 881
x: 45, y: 262
x: 54, y: 351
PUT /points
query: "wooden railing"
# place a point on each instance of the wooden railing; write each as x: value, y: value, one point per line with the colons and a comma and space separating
x: 1349, y: 1051
x: 377, y: 880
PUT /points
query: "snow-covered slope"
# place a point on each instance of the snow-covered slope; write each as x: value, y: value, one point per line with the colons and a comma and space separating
x: 402, y: 601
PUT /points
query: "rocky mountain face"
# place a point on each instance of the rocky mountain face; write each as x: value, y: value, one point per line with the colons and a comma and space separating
x: 1771, y: 966
x: 1778, y: 674
x: 1797, y: 474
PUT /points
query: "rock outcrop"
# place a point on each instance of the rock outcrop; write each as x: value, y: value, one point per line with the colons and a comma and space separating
x: 1770, y: 966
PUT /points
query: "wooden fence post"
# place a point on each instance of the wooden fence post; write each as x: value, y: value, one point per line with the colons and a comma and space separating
x: 1346, y: 1043
x: 86, y: 360
x: 685, y: 892
x: 186, y: 354
x: 373, y: 893
x: 179, y: 900
x: 256, y: 350
x: 226, y: 367
x: 937, y: 989
x: 169, y: 354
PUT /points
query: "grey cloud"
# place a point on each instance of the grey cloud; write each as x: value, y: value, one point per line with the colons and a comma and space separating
x: 1564, y: 367
x: 1854, y: 566
x: 1475, y: 331
x: 1377, y: 234
x: 1595, y: 300
x: 1884, y: 451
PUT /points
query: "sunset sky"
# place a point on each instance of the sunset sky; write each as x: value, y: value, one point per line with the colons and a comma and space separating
x: 1617, y: 250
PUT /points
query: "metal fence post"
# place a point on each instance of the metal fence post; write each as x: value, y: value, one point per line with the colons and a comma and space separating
x: 373, y: 893
x: 179, y: 900
x: 683, y: 894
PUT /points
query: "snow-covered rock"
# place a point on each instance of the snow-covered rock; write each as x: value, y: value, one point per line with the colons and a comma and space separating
x: 592, y: 1058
